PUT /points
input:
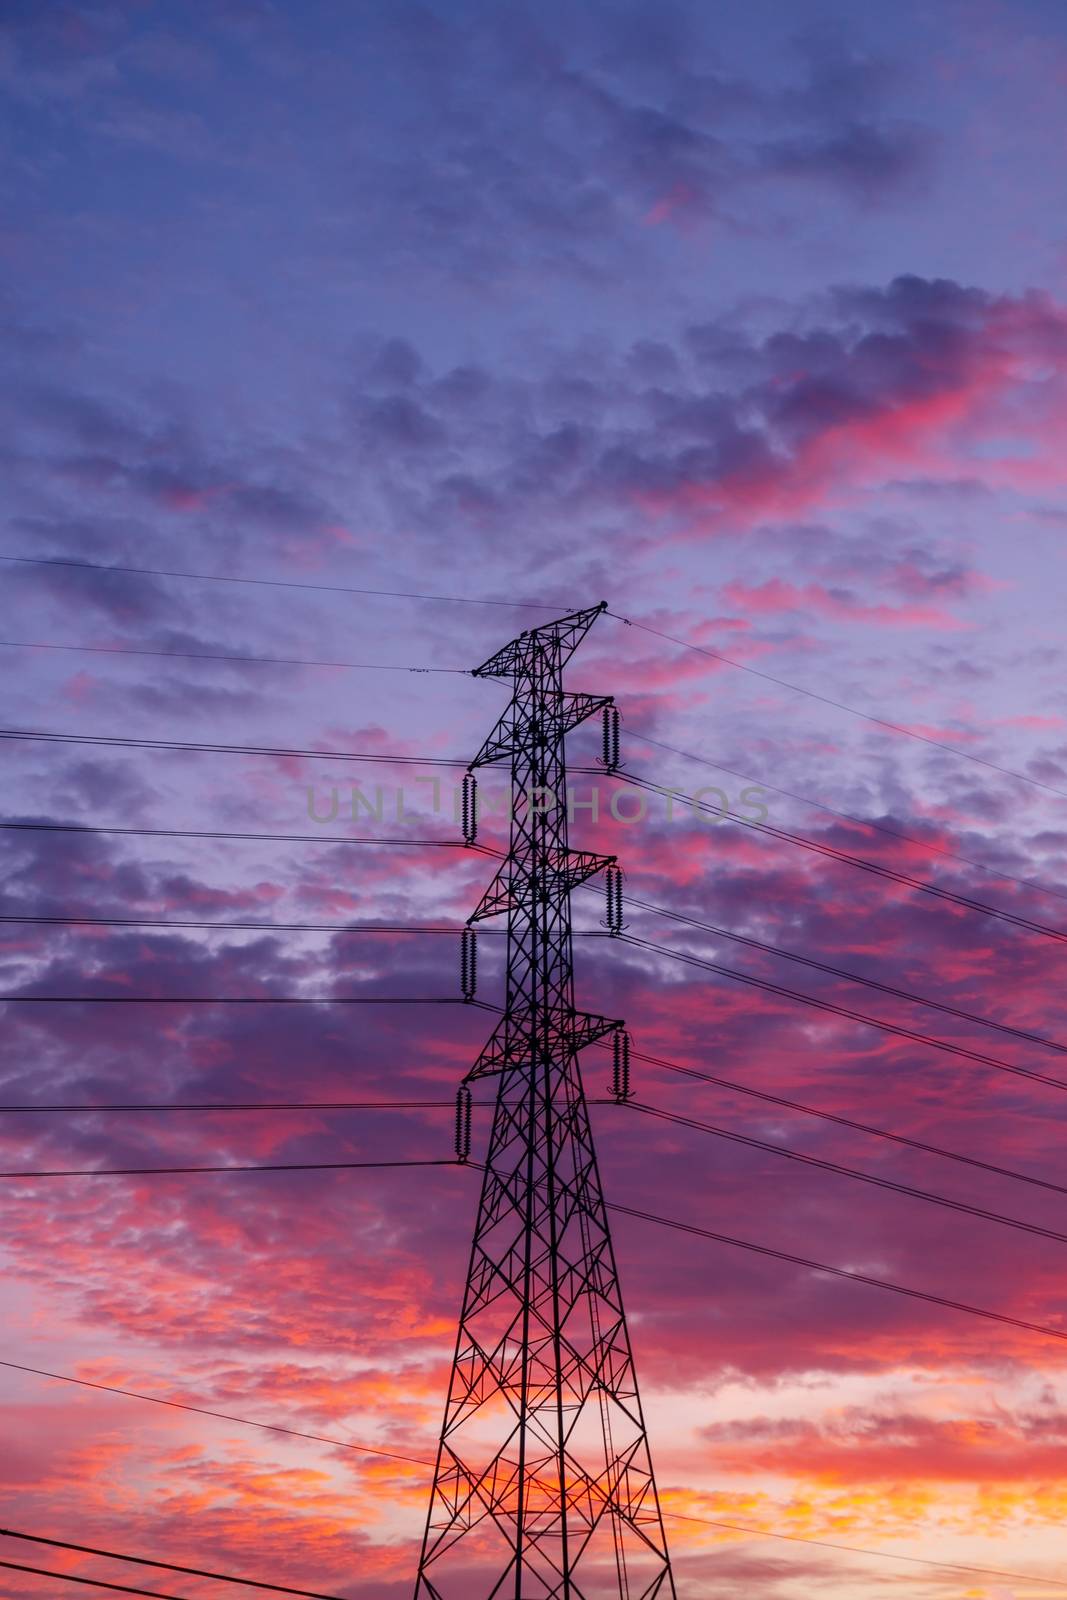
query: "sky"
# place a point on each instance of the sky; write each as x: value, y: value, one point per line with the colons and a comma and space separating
x: 750, y: 321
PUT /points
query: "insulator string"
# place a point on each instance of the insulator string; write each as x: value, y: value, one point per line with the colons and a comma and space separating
x: 463, y: 1123
x: 470, y: 808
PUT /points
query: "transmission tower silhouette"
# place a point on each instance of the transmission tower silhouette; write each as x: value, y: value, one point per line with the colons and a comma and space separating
x: 543, y: 1484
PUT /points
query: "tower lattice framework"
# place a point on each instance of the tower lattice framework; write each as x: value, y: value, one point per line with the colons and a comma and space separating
x: 543, y: 1484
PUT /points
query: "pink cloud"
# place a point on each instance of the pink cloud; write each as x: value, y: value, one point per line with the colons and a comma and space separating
x: 775, y: 596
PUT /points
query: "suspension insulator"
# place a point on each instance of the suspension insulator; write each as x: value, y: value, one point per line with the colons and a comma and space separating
x: 613, y: 887
x: 470, y: 808
x: 611, y: 737
x: 468, y: 963
x: 620, y: 1069
x: 463, y: 1123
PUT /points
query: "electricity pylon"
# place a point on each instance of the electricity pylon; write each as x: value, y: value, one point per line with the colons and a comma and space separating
x: 543, y: 1484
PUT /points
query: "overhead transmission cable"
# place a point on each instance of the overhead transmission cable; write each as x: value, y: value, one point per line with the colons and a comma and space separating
x: 215, y: 833
x: 92, y: 1583
x: 239, y: 1000
x: 847, y: 816
x: 246, y: 927
x: 422, y: 1461
x: 535, y: 605
x: 256, y: 1105
x: 119, y: 742
x: 846, y: 1273
x: 163, y: 1566
x: 667, y: 1222
x: 784, y: 954
x: 821, y: 848
x: 282, y: 583
x: 834, y: 1117
x: 225, y: 926
x: 750, y: 1141
x: 857, y: 1550
x: 836, y: 1167
x: 913, y: 1035
x: 840, y: 705
x: 839, y: 1272
x: 220, y: 1416
x: 211, y: 655
x: 380, y: 666
x: 238, y: 925
x: 186, y: 1171
x: 845, y: 858
x: 210, y: 1107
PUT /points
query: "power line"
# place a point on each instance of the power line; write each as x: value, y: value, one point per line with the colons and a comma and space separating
x: 259, y: 1105
x: 379, y: 666
x: 659, y: 1220
x: 163, y: 1566
x: 847, y: 816
x: 237, y: 1000
x: 277, y: 583
x: 675, y: 1516
x: 835, y: 1167
x: 422, y: 1461
x: 839, y: 705
x: 535, y: 605
x: 830, y: 1006
x: 220, y: 1416
x: 643, y: 905
x: 234, y: 926
x: 275, y: 1166
x: 93, y: 1583
x: 839, y: 1272
x: 243, y: 927
x: 848, y: 1122
x: 843, y: 972
x: 845, y: 858
x: 856, y: 1550
x: 214, y: 833
x: 821, y: 848
x: 229, y: 749
x: 209, y: 1107
x: 735, y: 1138
x: 204, y: 655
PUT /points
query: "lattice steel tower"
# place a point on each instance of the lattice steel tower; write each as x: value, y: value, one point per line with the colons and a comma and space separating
x: 543, y: 1484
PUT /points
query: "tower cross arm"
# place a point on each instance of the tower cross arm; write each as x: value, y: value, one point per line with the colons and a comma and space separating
x: 509, y: 1045
x: 562, y: 637
x: 517, y: 727
x: 515, y: 885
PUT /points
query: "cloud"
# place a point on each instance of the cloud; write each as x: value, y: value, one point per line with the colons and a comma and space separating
x: 862, y: 157
x: 445, y: 314
x: 643, y: 125
x: 892, y: 1444
x: 728, y: 431
x: 774, y: 596
x: 554, y: 141
x: 244, y: 1053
